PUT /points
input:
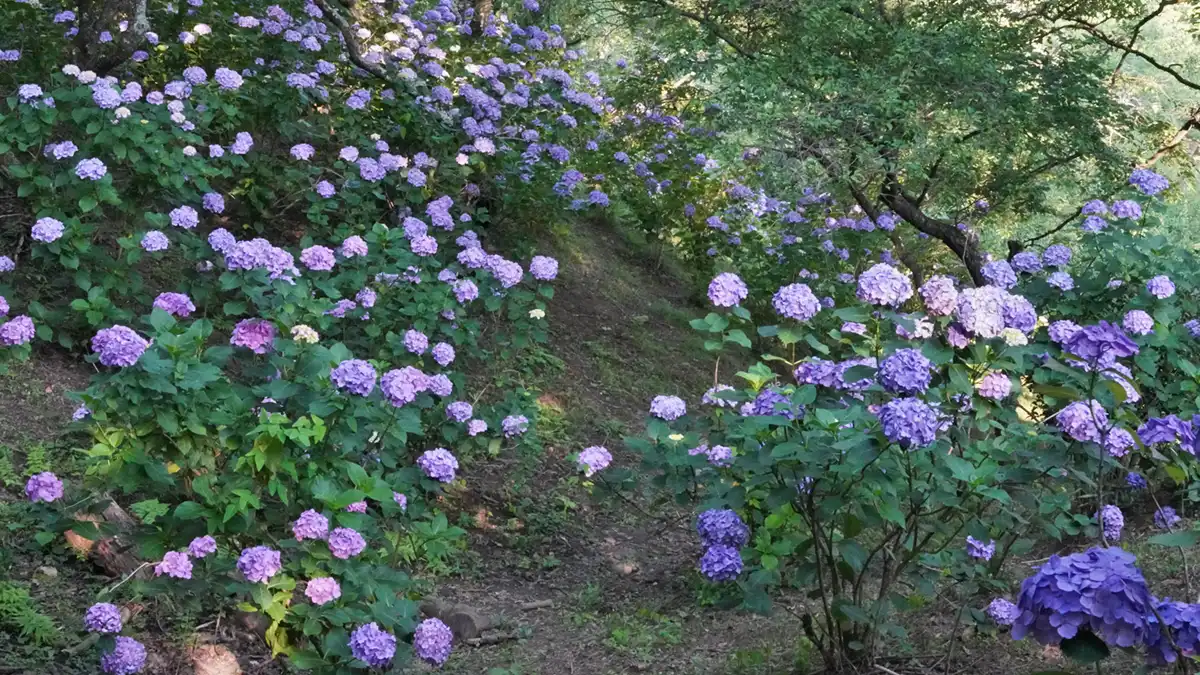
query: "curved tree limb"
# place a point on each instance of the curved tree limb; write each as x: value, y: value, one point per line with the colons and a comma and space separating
x: 1137, y: 29
x: 1094, y: 31
x: 353, y: 49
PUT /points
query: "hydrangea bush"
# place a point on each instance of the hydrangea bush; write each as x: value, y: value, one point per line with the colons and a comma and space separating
x: 903, y: 432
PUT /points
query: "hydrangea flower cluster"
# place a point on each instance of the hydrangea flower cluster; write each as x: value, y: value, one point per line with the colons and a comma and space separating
x: 727, y: 290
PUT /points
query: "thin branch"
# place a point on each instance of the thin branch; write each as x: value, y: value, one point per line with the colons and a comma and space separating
x: 1092, y: 30
x: 706, y: 22
x: 1137, y: 29
x: 353, y: 50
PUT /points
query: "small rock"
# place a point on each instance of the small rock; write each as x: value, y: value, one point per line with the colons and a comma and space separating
x: 46, y: 572
x: 214, y: 660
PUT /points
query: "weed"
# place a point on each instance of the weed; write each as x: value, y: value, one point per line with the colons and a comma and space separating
x: 18, y: 613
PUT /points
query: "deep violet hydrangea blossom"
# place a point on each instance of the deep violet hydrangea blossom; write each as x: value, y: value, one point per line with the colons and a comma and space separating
x: 721, y: 563
x: 1056, y: 256
x: 1099, y: 590
x: 119, y: 346
x: 372, y: 645
x: 1101, y: 343
x: 668, y: 408
x: 1183, y: 620
x: 1166, y: 518
x: 1148, y: 182
x: 906, y: 371
x: 1170, y: 429
x: 1000, y: 273
x: 355, y: 376
x: 1111, y: 521
x: 259, y: 563
x: 979, y: 550
x: 439, y: 464
x: 128, y: 656
x: 1026, y: 262
x: 727, y: 290
x: 883, y: 284
x: 796, y: 301
x: 909, y: 422
x: 1003, y: 612
x: 722, y: 527
x: 102, y: 617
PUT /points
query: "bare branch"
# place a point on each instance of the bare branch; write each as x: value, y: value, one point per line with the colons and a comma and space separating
x: 1095, y: 32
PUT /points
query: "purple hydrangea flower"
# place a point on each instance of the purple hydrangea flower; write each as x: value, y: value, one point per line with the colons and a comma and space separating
x: 465, y: 291
x: 1099, y: 590
x: 1061, y: 280
x: 1138, y: 322
x: 44, y: 487
x: 353, y: 246
x: 322, y: 590
x: 47, y: 230
x: 593, y: 460
x: 514, y: 425
x: 221, y: 240
x: 185, y: 217
x: 1147, y: 182
x: 175, y: 304
x: 1125, y: 208
x: 1056, y: 256
x: 1000, y: 273
x: 476, y: 427
x: 1112, y: 521
x: 1003, y: 612
x: 995, y: 385
x: 257, y: 335
x: 443, y: 353
x: 319, y: 258
x: 721, y: 563
x: 722, y: 527
x: 1160, y: 287
x: 345, y: 543
x: 543, y: 268
x: 939, y: 295
x: 909, y: 422
x: 433, y: 641
x: 979, y: 550
x: 439, y: 464
x: 102, y: 617
x: 796, y: 301
x: 1118, y: 442
x: 668, y: 408
x: 154, y: 241
x: 1062, y: 330
x: 1083, y: 421
x: 401, y: 386
x: 415, y: 341
x: 1026, y: 262
x: 310, y: 525
x: 228, y: 79
x: 302, y: 151
x: 1101, y: 344
x: 259, y: 563
x: 372, y: 645
x: 1136, y: 481
x: 201, y: 547
x: 727, y: 290
x: 128, y: 656
x: 17, y: 331
x: 1165, y: 518
x: 906, y: 371
x: 174, y: 564
x: 355, y: 376
x: 883, y: 284
x: 119, y: 346
x: 459, y: 411
x: 357, y: 507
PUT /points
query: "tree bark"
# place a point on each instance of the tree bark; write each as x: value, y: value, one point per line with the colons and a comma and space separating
x: 964, y: 243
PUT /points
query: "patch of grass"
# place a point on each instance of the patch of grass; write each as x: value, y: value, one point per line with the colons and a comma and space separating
x: 643, y: 632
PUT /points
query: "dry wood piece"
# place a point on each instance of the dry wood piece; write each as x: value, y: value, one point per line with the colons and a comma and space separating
x: 537, y: 604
